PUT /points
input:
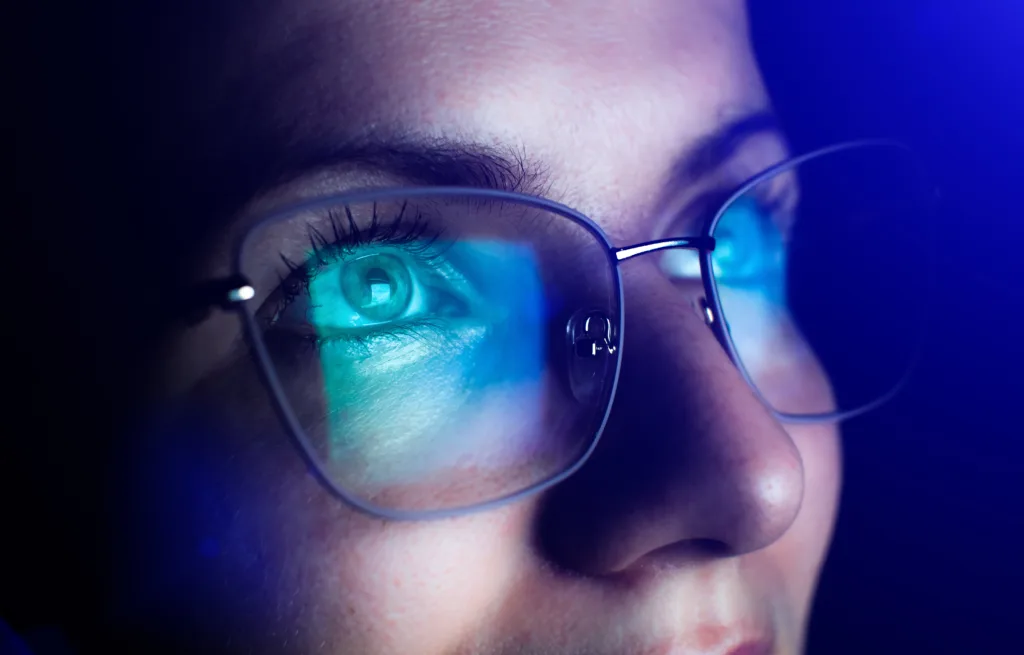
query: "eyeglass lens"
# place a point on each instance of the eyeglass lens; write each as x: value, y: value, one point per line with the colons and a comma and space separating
x: 823, y: 270
x: 439, y: 351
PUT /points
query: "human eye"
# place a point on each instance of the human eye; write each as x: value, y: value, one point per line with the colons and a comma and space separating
x: 750, y: 243
x: 361, y: 291
x: 750, y: 247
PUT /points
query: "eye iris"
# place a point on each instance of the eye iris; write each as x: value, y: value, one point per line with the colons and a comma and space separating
x: 377, y: 286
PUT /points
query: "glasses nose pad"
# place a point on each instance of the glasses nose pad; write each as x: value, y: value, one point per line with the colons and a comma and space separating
x: 592, y: 350
x: 705, y: 311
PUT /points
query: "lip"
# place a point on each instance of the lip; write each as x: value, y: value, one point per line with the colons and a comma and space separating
x: 752, y: 648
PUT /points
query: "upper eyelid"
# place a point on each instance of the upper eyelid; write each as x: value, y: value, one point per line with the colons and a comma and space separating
x: 313, y: 231
x: 282, y: 249
x: 331, y: 253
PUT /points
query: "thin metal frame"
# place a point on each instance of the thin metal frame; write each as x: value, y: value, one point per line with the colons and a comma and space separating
x: 237, y: 291
x: 714, y: 298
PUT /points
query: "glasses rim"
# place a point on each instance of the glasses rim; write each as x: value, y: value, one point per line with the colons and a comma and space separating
x: 283, y: 407
x: 233, y: 297
x: 714, y: 298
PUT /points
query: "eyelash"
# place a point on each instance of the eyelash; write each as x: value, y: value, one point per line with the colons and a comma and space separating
x: 413, y: 234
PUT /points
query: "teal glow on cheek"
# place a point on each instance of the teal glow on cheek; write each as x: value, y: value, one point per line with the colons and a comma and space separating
x: 445, y: 404
x: 391, y: 404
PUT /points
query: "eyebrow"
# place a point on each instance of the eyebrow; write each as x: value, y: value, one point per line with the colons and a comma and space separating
x: 439, y: 161
x: 430, y: 161
x: 714, y: 150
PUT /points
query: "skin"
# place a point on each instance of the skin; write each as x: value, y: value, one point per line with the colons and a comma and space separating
x: 700, y: 523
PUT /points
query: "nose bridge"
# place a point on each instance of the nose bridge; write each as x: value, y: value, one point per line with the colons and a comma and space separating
x: 665, y: 320
x: 734, y: 452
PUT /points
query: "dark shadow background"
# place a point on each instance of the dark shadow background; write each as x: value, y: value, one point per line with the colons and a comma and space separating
x: 927, y: 555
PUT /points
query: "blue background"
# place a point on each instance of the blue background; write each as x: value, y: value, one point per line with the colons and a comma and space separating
x: 928, y: 554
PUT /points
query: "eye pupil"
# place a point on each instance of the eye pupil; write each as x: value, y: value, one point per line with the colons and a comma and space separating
x: 377, y: 286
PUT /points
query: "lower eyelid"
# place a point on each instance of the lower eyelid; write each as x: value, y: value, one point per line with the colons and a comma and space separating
x: 387, y: 340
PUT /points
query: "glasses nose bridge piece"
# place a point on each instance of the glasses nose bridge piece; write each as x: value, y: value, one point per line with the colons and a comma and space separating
x: 702, y: 244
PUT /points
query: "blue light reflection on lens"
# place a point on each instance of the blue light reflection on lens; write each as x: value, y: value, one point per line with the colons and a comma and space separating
x: 750, y: 250
x: 749, y: 255
x: 475, y: 326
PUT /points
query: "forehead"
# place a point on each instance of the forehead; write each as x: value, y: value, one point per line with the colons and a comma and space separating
x: 605, y: 96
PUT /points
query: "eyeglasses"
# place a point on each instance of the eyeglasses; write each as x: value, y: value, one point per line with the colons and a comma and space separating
x: 437, y: 351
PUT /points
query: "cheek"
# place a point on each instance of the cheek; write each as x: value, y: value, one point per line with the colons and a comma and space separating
x: 394, y: 587
x: 821, y: 450
x: 252, y: 545
x: 357, y: 583
x: 775, y: 354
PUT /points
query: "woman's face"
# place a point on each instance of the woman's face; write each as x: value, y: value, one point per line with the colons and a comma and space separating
x: 699, y: 524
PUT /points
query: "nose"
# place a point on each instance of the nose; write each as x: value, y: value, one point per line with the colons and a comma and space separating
x: 691, y: 463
